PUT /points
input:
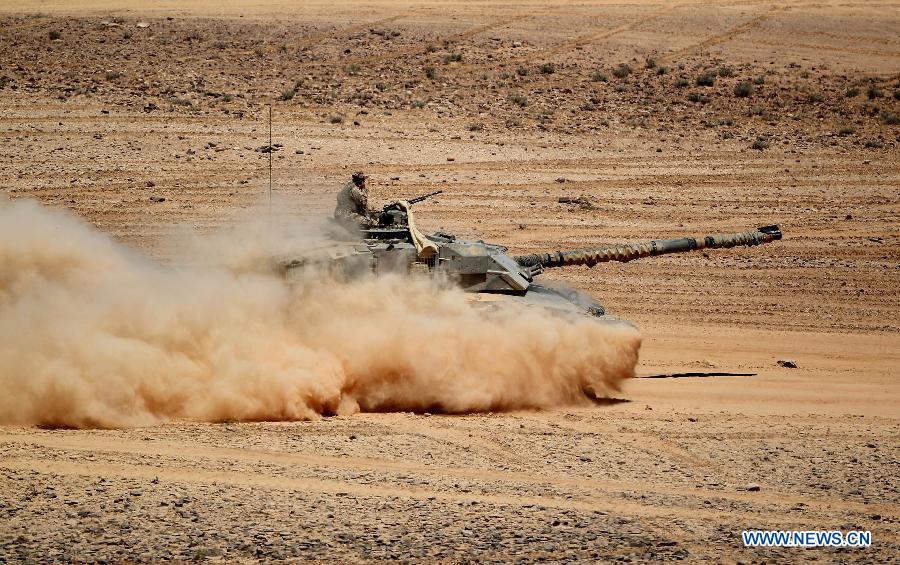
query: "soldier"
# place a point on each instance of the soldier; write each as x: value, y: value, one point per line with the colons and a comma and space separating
x: 352, y: 203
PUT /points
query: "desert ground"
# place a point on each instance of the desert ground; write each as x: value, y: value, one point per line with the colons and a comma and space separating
x: 665, y: 118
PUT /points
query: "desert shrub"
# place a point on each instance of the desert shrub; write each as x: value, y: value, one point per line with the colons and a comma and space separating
x: 622, y: 71
x: 760, y: 143
x: 726, y: 72
x: 897, y: 95
x: 54, y: 35
x: 475, y: 126
x: 743, y: 89
x: 662, y: 70
x: 430, y: 48
x: 706, y: 79
x: 599, y: 77
x: 381, y: 86
x: 522, y: 71
x: 548, y: 69
x: 112, y: 75
x: 259, y: 51
x: 874, y: 92
x: 846, y: 130
x: 419, y: 103
x: 287, y: 94
x: 227, y: 97
x: 352, y: 69
x: 430, y: 72
x: 336, y: 119
x: 697, y: 97
x: 220, y: 44
x: 588, y: 107
x: 650, y: 63
x: 636, y: 122
x: 361, y: 96
x: 759, y: 80
x: 873, y: 144
x: 851, y: 92
x: 453, y: 57
x: 815, y: 98
x: 181, y: 101
x: 193, y: 35
x: 891, y: 119
x: 681, y: 83
x: 518, y: 99
x: 622, y: 87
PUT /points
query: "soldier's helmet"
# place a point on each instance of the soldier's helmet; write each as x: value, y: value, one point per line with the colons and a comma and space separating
x: 359, y: 177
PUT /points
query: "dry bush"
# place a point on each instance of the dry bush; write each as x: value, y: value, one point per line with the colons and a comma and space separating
x: 743, y: 89
x: 622, y: 71
x: 518, y: 99
x: 760, y: 143
x: 706, y: 79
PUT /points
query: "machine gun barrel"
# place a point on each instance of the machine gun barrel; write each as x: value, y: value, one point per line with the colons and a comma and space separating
x: 631, y: 251
x: 424, y: 196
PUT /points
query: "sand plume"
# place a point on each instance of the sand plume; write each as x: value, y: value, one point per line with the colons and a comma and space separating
x: 94, y: 334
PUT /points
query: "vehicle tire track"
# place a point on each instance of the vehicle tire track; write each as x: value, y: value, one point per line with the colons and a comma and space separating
x: 308, y: 40
x: 461, y: 438
x: 842, y: 49
x: 728, y: 35
x: 423, y: 50
x: 610, y: 489
x: 612, y: 505
x: 586, y: 39
x: 657, y: 446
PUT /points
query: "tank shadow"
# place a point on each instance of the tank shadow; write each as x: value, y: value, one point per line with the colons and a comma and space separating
x: 700, y: 375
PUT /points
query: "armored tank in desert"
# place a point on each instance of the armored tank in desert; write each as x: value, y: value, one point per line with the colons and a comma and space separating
x: 486, y: 270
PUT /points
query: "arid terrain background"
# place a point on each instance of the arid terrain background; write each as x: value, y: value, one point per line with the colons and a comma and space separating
x: 667, y: 118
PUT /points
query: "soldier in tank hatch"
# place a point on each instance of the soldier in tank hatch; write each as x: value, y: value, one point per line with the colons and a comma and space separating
x: 352, y: 208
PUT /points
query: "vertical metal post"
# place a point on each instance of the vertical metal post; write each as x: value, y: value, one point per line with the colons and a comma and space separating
x: 271, y: 150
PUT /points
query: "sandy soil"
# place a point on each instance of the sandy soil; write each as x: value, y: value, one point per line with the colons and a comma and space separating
x: 493, y: 103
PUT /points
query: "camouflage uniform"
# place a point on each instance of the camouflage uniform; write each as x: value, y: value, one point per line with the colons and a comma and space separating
x: 353, y: 205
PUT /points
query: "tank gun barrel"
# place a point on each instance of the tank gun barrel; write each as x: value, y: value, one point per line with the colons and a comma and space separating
x: 631, y: 251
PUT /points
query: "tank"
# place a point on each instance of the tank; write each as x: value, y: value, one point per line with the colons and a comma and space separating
x: 486, y: 270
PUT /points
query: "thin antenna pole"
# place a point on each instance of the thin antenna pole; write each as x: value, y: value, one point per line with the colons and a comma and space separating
x: 271, y: 149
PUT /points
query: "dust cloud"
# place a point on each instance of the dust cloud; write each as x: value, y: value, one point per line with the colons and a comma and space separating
x: 93, y: 334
